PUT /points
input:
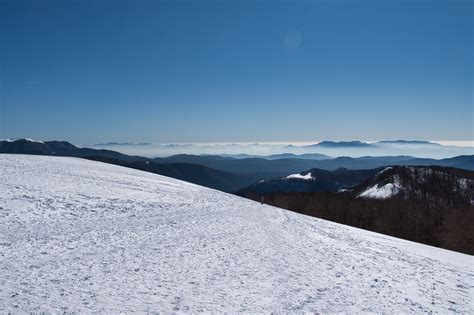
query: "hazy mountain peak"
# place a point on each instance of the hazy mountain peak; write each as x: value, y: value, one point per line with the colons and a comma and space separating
x: 342, y: 144
x: 420, y: 142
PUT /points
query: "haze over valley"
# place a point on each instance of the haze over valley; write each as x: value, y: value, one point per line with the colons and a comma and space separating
x: 427, y: 149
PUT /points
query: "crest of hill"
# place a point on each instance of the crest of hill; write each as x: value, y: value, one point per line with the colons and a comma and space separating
x: 180, y: 247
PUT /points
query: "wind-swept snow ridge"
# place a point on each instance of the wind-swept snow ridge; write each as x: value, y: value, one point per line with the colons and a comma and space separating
x: 83, y: 236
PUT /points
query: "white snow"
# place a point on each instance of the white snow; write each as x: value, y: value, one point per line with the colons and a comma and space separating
x: 300, y: 176
x: 26, y: 139
x: 384, y: 170
x: 382, y: 192
x: 83, y: 236
x: 31, y: 140
x: 465, y: 183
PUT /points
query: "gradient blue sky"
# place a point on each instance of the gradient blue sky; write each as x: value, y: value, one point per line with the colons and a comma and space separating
x: 228, y: 71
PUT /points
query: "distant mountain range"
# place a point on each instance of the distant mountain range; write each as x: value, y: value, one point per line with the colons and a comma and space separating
x: 266, y: 169
x: 358, y: 144
x: 307, y: 156
x: 416, y: 142
x: 193, y: 173
x: 342, y: 144
x: 323, y: 149
x: 428, y: 204
x: 120, y: 144
x: 224, y: 172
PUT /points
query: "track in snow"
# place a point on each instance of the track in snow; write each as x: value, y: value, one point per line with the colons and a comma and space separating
x: 77, y: 235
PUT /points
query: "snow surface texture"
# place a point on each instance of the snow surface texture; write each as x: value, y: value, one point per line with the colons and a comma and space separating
x: 78, y: 235
x: 300, y: 176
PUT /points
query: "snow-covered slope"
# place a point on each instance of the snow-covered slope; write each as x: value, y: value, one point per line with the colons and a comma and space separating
x: 77, y: 235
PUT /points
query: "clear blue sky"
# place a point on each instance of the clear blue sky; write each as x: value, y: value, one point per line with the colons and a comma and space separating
x: 228, y: 71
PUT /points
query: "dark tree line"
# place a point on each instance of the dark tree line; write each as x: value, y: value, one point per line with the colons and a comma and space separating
x: 436, y: 222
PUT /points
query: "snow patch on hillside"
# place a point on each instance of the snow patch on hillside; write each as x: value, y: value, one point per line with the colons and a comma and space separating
x: 79, y: 236
x: 300, y: 176
x: 32, y: 140
x: 465, y: 183
x: 382, y: 192
x: 384, y: 170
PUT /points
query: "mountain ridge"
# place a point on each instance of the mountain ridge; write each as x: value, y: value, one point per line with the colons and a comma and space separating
x: 238, y: 173
x: 194, y: 173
